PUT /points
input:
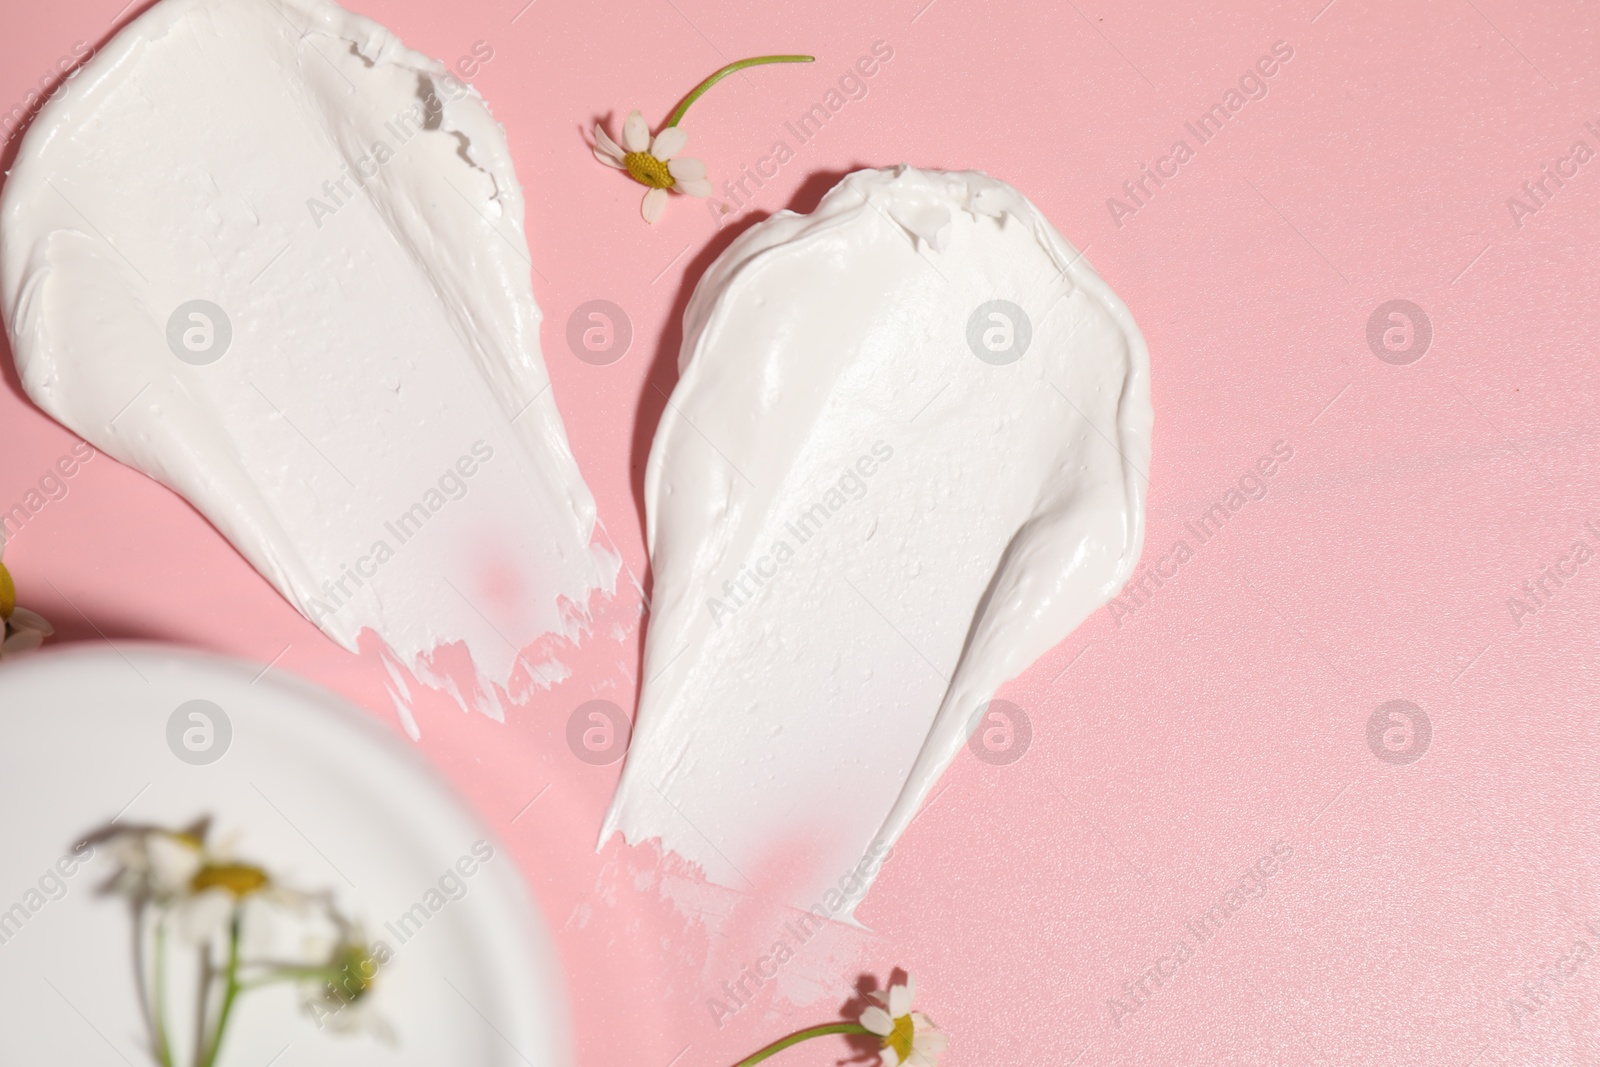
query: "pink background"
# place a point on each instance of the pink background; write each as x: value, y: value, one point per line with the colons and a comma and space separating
x: 1170, y: 751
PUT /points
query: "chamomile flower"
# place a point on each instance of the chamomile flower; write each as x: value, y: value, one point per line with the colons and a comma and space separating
x: 184, y: 888
x: 657, y: 162
x: 197, y: 882
x: 653, y: 162
x: 343, y: 1001
x: 907, y: 1037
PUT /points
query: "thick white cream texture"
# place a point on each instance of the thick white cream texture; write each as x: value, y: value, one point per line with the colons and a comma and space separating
x: 352, y: 210
x: 809, y: 679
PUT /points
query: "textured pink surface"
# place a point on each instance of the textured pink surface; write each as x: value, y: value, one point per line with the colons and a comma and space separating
x: 1441, y: 911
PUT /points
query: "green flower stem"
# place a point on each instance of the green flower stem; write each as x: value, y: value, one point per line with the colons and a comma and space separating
x: 230, y: 993
x: 291, y: 974
x: 700, y: 90
x: 799, y: 1036
x: 158, y: 1009
x: 202, y: 1011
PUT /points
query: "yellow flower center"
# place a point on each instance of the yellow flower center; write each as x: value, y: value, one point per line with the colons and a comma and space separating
x: 901, y: 1036
x: 240, y: 879
x: 648, y: 170
x: 8, y: 593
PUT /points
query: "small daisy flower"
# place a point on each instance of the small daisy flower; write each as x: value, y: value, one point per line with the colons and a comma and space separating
x: 179, y: 882
x: 653, y: 162
x: 344, y: 999
x: 657, y: 162
x: 22, y: 630
x: 181, y: 870
x: 907, y: 1037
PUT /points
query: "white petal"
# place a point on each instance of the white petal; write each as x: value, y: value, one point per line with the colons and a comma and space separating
x: 23, y: 619
x: 291, y: 900
x: 201, y: 916
x: 900, y: 1000
x: 655, y: 201
x: 130, y: 850
x: 694, y: 187
x: 20, y: 642
x: 668, y: 143
x: 877, y: 1021
x: 635, y: 134
x: 686, y: 169
x: 607, y: 158
x: 889, y: 1056
x: 605, y: 144
x: 267, y: 931
x: 172, y: 862
x: 930, y: 1041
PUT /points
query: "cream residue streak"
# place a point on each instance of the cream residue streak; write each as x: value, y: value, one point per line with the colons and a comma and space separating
x: 864, y: 516
x: 378, y: 438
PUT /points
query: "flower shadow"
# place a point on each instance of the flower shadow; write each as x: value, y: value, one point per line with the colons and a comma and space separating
x: 866, y: 1048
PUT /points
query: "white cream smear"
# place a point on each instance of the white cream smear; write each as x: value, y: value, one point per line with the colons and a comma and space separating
x: 263, y: 252
x: 903, y: 461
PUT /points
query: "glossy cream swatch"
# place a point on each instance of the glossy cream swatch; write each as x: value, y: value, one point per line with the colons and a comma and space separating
x: 903, y: 460
x: 268, y: 255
